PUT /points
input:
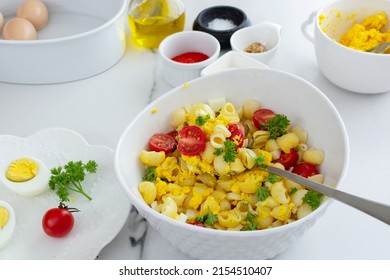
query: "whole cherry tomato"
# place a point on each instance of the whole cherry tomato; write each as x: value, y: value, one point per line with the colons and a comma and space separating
x: 58, y: 222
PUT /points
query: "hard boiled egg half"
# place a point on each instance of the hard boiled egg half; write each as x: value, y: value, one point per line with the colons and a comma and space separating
x: 25, y: 176
x: 7, y: 223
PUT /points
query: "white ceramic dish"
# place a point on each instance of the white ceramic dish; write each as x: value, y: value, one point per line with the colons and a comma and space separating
x: 176, y: 73
x: 82, y: 38
x: 275, y: 89
x: 266, y: 33
x: 232, y: 60
x: 99, y: 221
x: 347, y: 68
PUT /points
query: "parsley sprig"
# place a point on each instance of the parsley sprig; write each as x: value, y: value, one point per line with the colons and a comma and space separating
x: 262, y: 193
x: 201, y: 120
x: 151, y: 174
x: 69, y: 177
x: 313, y: 198
x: 229, y: 150
x: 251, y: 219
x: 277, y: 125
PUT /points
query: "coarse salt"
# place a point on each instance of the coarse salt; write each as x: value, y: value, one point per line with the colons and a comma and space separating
x: 221, y: 24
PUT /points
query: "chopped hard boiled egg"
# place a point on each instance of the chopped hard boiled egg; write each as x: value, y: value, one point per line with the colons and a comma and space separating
x: 25, y: 176
x: 7, y: 223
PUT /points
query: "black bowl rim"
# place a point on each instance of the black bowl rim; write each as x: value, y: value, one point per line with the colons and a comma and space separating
x: 203, y: 27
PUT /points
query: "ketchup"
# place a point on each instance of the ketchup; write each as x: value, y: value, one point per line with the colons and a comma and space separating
x: 190, y: 57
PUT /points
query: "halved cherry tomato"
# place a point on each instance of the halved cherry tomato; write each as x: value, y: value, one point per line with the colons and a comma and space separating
x: 192, y: 140
x: 58, y: 222
x: 288, y: 159
x: 173, y: 133
x: 162, y: 142
x: 237, y: 134
x: 261, y: 116
x: 195, y: 223
x: 305, y: 169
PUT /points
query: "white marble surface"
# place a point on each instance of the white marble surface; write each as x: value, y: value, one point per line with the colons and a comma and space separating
x: 100, y: 108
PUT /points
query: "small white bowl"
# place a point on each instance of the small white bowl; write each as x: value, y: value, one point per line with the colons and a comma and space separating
x: 176, y: 73
x: 266, y: 33
x: 232, y: 60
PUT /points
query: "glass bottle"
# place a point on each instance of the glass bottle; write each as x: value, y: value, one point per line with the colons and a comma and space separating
x: 150, y: 21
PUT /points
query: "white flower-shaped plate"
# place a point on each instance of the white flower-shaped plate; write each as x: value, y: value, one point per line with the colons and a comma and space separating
x: 98, y: 221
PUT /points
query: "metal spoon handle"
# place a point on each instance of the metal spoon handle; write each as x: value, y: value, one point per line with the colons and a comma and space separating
x: 375, y: 209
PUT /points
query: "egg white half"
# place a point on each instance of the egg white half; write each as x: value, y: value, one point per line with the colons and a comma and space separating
x: 35, y: 186
x: 7, y: 230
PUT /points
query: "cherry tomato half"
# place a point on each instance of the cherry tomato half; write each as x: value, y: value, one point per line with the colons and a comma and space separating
x: 162, y: 142
x: 261, y: 116
x: 237, y: 134
x: 305, y: 169
x: 288, y: 159
x: 192, y: 140
x: 58, y: 222
x: 195, y: 223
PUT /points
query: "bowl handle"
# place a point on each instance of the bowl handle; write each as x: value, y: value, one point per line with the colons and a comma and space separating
x: 305, y: 27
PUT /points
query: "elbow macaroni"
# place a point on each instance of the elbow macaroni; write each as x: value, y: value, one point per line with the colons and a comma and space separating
x: 238, y: 194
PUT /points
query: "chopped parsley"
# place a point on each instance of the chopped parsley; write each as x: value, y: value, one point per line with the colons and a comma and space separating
x: 208, y: 219
x: 260, y: 161
x: 201, y: 120
x: 313, y: 198
x: 262, y: 193
x: 272, y: 178
x: 293, y: 190
x: 229, y: 150
x: 251, y: 219
x: 150, y: 175
x: 277, y: 125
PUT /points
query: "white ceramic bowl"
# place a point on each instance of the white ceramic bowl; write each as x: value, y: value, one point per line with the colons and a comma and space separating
x: 176, y: 73
x: 311, y: 109
x: 82, y: 38
x: 347, y: 68
x: 266, y: 33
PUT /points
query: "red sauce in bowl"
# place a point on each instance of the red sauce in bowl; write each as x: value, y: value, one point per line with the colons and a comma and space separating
x: 190, y: 57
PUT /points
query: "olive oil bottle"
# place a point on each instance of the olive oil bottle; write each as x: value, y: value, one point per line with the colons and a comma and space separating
x: 150, y: 21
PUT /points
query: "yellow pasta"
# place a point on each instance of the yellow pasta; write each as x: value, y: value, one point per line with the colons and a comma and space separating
x: 178, y: 117
x: 249, y: 107
x: 224, y: 186
x: 314, y: 156
x: 230, y: 112
x: 151, y: 158
x: 148, y: 191
x: 288, y: 141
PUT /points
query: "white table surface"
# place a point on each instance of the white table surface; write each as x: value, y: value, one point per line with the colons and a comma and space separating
x: 100, y: 108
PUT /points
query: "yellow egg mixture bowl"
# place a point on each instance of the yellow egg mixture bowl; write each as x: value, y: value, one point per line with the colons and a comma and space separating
x: 343, y: 32
x: 273, y: 89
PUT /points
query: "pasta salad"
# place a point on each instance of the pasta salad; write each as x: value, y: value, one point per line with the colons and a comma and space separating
x: 207, y: 170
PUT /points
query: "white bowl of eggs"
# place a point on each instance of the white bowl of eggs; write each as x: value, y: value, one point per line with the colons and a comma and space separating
x: 192, y: 170
x: 55, y: 41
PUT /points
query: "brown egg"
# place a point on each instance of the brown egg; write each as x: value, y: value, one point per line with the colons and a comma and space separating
x: 35, y: 11
x: 1, y: 21
x: 19, y: 29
